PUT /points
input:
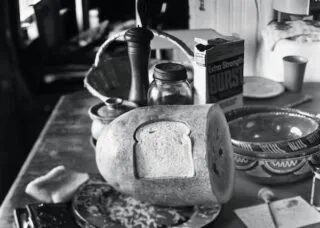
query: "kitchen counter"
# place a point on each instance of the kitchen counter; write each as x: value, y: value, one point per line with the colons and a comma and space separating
x: 65, y: 140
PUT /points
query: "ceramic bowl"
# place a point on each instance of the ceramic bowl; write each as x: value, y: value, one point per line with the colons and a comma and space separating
x: 273, y: 145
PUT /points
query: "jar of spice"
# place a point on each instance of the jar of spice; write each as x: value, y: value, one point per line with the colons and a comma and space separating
x: 170, y: 85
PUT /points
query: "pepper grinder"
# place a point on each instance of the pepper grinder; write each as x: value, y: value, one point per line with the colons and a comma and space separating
x: 138, y: 40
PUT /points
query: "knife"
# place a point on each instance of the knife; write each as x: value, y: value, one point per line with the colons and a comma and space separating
x: 267, y: 195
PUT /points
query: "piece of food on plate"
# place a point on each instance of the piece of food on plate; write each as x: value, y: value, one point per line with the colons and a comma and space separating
x: 56, y: 186
x: 98, y: 204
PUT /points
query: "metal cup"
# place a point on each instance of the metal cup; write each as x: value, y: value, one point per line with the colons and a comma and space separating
x: 294, y: 69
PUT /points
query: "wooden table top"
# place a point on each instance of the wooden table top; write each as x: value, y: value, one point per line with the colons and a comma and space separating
x: 65, y: 140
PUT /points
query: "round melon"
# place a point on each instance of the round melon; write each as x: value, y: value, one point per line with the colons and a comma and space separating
x: 173, y: 155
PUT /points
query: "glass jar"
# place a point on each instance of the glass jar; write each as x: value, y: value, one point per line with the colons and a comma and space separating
x: 169, y: 85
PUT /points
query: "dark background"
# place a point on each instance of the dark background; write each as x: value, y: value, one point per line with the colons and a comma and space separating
x: 26, y: 98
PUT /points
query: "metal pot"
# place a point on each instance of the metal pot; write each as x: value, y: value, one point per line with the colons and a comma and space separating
x: 105, y: 112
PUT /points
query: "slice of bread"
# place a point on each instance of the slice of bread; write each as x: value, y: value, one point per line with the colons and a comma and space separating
x: 163, y: 149
x: 57, y: 186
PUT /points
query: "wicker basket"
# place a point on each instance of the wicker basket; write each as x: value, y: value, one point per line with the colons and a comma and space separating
x: 111, y: 77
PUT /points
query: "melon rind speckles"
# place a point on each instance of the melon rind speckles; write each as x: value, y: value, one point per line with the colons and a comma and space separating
x: 220, y: 155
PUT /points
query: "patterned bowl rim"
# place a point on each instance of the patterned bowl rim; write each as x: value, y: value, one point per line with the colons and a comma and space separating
x: 258, y: 155
x: 282, y: 147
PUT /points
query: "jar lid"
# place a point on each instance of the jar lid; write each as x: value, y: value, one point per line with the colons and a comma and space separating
x: 113, y: 108
x: 170, y: 72
x: 110, y: 109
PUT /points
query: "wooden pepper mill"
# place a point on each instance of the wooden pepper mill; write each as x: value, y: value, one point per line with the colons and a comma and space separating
x: 138, y: 40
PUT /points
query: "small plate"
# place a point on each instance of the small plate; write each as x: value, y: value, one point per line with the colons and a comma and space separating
x: 96, y: 204
x: 260, y: 87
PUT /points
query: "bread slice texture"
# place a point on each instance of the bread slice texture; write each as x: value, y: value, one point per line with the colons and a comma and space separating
x: 56, y: 186
x: 163, y: 150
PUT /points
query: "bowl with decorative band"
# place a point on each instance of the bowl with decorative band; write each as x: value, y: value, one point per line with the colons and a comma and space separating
x: 273, y: 145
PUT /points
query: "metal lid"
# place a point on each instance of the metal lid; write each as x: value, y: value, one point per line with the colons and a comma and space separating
x: 170, y: 72
x: 110, y: 109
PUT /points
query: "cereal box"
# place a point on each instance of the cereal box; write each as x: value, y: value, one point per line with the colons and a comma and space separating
x: 218, y: 71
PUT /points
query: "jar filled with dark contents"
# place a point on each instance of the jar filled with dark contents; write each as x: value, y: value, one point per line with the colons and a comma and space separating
x: 169, y: 85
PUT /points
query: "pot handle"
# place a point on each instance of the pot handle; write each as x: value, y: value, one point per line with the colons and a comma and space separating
x: 120, y: 36
x: 174, y: 40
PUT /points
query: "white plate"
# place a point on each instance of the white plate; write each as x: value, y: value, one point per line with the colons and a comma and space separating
x: 260, y: 87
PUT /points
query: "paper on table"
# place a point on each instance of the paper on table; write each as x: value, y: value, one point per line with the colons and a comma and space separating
x: 255, y: 216
x: 290, y: 212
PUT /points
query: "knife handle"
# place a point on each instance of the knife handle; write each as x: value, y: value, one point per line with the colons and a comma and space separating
x: 266, y: 194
